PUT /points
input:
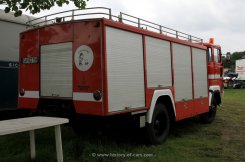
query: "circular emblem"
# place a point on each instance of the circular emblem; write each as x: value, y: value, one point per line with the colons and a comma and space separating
x: 84, y: 58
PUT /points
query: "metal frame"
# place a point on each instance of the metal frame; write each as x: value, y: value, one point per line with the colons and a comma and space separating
x: 103, y: 12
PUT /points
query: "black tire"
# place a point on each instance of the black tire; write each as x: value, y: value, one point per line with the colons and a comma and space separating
x: 209, y: 117
x: 158, y: 129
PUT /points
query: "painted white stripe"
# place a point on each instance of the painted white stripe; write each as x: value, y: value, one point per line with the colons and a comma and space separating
x: 30, y: 94
x: 214, y: 76
x: 78, y: 96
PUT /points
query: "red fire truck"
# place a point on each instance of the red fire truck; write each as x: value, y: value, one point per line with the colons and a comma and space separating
x: 96, y: 64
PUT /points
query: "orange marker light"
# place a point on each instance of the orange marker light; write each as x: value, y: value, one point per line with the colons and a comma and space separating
x: 211, y: 40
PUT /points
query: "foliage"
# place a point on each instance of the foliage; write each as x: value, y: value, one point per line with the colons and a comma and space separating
x: 235, y: 56
x: 35, y: 6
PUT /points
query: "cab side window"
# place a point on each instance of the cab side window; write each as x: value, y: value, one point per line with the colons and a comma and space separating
x: 210, y: 54
x: 216, y: 55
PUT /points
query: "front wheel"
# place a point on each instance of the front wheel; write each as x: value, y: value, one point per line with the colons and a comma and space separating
x: 209, y: 116
x: 158, y: 129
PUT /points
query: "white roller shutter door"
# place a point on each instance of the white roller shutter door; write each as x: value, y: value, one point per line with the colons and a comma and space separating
x: 125, y: 70
x: 56, y: 70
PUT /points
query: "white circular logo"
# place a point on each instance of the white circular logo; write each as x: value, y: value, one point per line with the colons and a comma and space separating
x: 84, y: 58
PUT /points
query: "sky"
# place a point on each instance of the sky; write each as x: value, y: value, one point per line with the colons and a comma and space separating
x: 224, y: 20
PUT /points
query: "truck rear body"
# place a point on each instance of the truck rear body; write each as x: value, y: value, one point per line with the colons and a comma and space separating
x: 103, y: 67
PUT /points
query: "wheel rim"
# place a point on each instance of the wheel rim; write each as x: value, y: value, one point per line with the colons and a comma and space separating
x: 159, y: 125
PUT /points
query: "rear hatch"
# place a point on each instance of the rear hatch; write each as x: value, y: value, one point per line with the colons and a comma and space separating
x: 56, y: 70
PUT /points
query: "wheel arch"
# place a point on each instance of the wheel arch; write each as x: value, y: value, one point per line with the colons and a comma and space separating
x: 162, y: 96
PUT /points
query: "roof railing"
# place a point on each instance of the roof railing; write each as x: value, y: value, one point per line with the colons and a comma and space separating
x: 103, y: 12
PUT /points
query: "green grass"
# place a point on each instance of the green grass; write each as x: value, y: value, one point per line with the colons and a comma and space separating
x: 223, y: 140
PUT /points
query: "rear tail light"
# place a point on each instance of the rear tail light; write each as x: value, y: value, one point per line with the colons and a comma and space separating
x: 97, y: 95
x: 22, y: 92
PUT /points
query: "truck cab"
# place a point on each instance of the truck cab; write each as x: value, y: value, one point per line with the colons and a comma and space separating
x: 215, y: 68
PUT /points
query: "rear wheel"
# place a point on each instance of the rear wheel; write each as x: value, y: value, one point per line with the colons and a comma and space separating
x: 209, y: 117
x: 158, y: 129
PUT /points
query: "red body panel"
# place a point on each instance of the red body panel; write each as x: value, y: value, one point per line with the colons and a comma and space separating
x: 29, y: 73
x: 30, y: 103
x: 56, y: 34
x: 201, y: 105
x: 184, y: 109
x: 190, y: 108
x: 104, y: 70
x: 88, y: 33
x: 29, y: 47
x: 149, y: 93
x: 89, y: 108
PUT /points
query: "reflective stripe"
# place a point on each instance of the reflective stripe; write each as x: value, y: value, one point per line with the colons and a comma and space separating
x: 214, y: 76
x: 30, y: 94
x: 77, y: 96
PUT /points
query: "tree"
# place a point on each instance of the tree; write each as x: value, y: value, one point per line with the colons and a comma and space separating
x: 35, y: 6
x: 235, y: 56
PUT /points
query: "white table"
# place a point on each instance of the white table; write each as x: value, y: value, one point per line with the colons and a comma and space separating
x: 32, y: 123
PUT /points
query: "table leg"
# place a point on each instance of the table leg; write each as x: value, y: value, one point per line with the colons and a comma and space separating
x: 58, y: 143
x: 32, y: 144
